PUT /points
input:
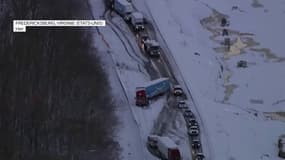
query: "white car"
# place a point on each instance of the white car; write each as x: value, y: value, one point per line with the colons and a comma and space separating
x: 193, y: 132
x: 182, y: 105
x: 194, y: 128
x: 177, y: 90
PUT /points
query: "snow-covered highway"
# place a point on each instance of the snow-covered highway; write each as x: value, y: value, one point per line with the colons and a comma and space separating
x: 189, y: 58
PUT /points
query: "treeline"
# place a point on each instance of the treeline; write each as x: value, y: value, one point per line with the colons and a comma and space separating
x: 54, y: 96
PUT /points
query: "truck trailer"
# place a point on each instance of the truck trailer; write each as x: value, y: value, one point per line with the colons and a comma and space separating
x: 150, y: 90
x: 137, y: 21
x: 168, y: 149
x: 123, y: 8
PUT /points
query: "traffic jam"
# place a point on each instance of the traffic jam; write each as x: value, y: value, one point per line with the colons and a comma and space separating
x: 161, y: 146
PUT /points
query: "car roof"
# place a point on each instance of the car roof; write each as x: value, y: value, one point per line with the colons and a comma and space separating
x: 200, y: 154
x: 152, y: 41
x: 137, y: 14
x: 144, y: 35
x: 177, y: 86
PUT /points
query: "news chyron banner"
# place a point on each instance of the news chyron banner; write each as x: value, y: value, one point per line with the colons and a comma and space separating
x: 21, y: 25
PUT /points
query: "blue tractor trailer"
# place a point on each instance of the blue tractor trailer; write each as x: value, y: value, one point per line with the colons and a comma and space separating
x: 124, y: 8
x: 151, y: 89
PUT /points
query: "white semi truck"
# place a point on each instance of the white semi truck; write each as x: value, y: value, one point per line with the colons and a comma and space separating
x: 165, y: 146
x: 137, y: 21
x: 123, y: 8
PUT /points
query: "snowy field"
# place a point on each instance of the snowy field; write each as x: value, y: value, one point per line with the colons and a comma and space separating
x: 241, y: 108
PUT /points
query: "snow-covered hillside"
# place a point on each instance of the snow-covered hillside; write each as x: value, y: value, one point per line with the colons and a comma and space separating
x: 241, y: 108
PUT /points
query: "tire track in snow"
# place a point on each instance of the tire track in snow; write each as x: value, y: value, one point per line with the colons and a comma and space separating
x: 124, y: 90
x: 118, y: 31
x: 151, y: 70
x: 173, y: 65
x: 120, y: 34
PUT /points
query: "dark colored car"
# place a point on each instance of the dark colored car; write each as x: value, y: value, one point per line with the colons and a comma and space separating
x: 188, y: 114
x: 196, y: 144
x: 199, y: 156
x: 191, y: 122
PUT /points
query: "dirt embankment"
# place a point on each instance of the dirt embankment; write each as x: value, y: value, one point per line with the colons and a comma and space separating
x: 54, y: 100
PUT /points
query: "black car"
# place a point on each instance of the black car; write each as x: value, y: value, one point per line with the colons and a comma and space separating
x: 188, y: 114
x: 199, y: 156
x: 196, y: 144
x: 182, y: 105
x: 242, y: 64
x: 191, y: 122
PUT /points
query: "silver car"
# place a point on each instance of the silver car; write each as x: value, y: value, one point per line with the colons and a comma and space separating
x: 193, y: 132
x: 177, y: 90
x: 182, y: 105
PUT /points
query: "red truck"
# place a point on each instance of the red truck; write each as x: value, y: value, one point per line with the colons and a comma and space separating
x: 151, y: 89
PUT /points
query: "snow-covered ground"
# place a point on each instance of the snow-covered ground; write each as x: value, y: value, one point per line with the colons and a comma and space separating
x: 237, y: 105
x: 124, y: 64
x: 128, y: 132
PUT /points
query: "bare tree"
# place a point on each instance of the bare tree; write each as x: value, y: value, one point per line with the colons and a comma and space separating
x: 51, y: 106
